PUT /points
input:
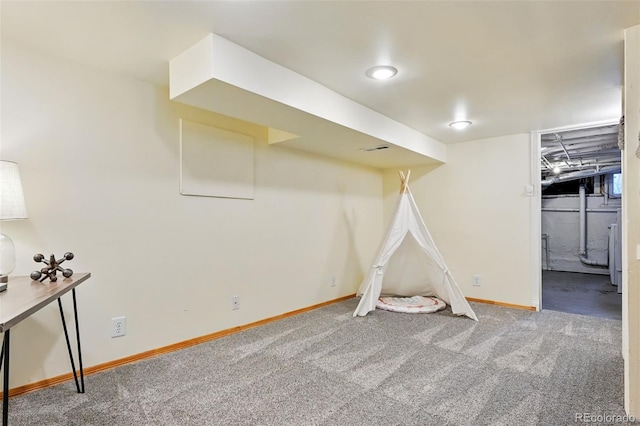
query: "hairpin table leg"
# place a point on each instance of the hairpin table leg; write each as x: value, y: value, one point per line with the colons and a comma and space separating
x: 66, y: 336
x: 5, y: 387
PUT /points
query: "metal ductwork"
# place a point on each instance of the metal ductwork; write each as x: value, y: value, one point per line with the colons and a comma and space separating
x: 581, y: 175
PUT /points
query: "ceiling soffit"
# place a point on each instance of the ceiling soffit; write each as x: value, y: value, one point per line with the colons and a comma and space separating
x: 218, y: 75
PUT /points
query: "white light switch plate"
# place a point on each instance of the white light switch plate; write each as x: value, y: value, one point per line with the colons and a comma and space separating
x: 529, y: 190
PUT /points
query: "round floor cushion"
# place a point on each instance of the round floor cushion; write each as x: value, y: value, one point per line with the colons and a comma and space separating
x: 411, y: 305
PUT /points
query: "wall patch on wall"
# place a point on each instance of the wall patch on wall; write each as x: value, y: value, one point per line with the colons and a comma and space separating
x: 215, y: 162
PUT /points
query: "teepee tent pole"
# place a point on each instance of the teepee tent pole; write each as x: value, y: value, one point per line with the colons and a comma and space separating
x: 404, y: 181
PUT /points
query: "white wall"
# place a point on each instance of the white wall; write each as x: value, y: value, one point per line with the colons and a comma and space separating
x: 563, y: 230
x: 98, y: 155
x: 631, y: 224
x: 477, y: 212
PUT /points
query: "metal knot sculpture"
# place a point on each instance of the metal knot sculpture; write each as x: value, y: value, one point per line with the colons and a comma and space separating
x: 53, y: 266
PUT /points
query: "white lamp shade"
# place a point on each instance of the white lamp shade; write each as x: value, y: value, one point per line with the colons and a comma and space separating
x: 12, y: 205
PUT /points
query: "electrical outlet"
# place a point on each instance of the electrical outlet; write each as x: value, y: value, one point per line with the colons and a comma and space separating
x: 333, y: 281
x: 476, y: 280
x: 118, y: 326
x: 235, y: 302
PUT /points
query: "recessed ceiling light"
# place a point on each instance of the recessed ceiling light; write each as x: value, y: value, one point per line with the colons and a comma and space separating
x: 382, y: 72
x: 556, y: 170
x: 460, y: 124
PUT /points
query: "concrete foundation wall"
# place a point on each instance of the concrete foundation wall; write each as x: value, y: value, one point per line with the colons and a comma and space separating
x: 561, y: 224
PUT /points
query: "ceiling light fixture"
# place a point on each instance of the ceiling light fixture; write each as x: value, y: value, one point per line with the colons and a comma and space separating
x: 556, y: 170
x: 382, y: 72
x: 459, y: 125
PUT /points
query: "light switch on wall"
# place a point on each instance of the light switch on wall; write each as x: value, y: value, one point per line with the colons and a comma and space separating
x: 529, y: 190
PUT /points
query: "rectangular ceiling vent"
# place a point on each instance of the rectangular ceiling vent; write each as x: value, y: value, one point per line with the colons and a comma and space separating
x: 375, y: 148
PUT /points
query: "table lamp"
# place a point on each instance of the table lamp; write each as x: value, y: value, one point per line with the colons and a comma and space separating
x: 12, y: 207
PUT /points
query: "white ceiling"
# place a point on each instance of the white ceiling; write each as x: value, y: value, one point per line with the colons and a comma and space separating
x: 509, y: 67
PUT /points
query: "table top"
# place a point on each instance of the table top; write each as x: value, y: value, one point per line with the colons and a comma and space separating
x: 24, y: 296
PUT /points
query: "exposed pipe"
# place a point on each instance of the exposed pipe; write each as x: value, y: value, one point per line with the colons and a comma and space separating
x: 583, y: 147
x: 559, y: 140
x: 583, y: 222
x: 579, y: 175
x: 583, y: 233
x: 570, y: 210
x: 545, y: 240
x: 546, y: 162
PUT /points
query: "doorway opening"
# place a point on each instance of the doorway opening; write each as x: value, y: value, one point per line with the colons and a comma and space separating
x: 581, y: 201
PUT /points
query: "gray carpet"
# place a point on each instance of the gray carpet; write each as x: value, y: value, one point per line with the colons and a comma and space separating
x: 326, y: 368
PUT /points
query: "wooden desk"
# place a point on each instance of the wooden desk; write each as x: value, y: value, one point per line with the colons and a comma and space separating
x: 24, y: 297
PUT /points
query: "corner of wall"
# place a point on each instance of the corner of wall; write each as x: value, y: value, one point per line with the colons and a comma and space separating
x: 631, y: 223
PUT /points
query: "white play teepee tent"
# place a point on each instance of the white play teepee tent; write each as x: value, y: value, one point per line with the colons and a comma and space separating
x: 408, y: 263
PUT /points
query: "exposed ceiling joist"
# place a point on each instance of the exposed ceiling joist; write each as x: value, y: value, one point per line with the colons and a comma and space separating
x: 581, y: 153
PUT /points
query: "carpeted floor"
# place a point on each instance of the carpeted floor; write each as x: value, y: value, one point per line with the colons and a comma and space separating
x: 324, y: 367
